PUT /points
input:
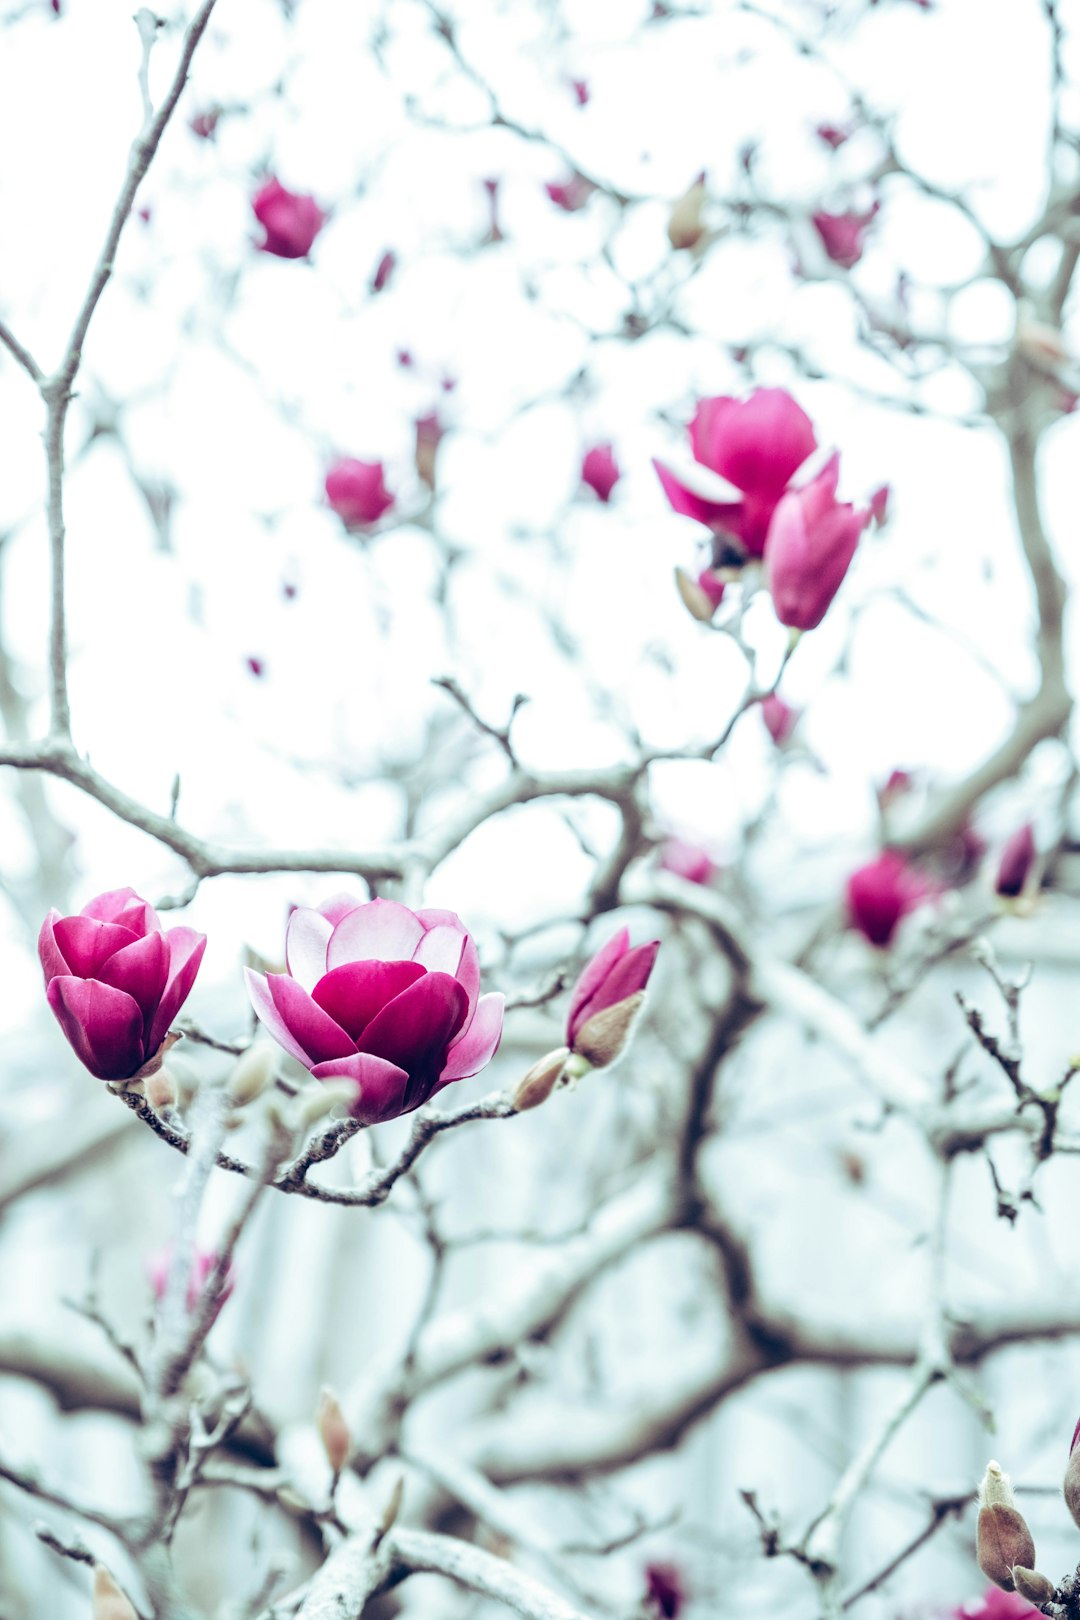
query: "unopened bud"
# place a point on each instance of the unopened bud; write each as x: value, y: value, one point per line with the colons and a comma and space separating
x: 388, y: 1516
x: 333, y: 1430
x: 686, y: 226
x: 604, y: 1036
x: 1002, y: 1539
x: 536, y: 1086
x: 109, y: 1601
x: 1033, y: 1586
x: 160, y: 1091
x: 251, y: 1074
x: 694, y: 599
x: 315, y: 1102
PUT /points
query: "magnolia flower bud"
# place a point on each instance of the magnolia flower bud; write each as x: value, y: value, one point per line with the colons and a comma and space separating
x: 160, y: 1091
x: 251, y: 1074
x: 333, y: 1430
x: 686, y: 226
x: 109, y: 1601
x: 536, y: 1086
x: 604, y: 1036
x: 1002, y: 1539
x: 1033, y: 1586
x: 314, y: 1103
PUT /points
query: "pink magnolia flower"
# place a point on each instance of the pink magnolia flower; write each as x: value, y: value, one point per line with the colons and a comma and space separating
x: 384, y: 996
x: 291, y: 220
x: 880, y: 895
x: 757, y: 444
x: 834, y: 135
x: 203, y: 1262
x: 570, y: 194
x: 811, y: 541
x: 581, y: 91
x: 600, y: 470
x: 843, y: 236
x: 1016, y: 864
x: 116, y: 980
x: 665, y: 1590
x: 995, y: 1605
x: 357, y: 492
x: 606, y: 998
x: 779, y: 718
x: 686, y: 860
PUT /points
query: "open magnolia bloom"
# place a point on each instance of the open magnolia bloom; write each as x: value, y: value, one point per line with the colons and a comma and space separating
x: 116, y: 980
x: 381, y: 995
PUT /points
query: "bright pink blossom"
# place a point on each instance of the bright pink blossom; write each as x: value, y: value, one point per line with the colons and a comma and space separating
x: 290, y: 219
x: 686, y: 860
x: 614, y: 974
x: 1016, y: 864
x: 996, y: 1605
x: 570, y: 194
x: 357, y: 492
x: 203, y: 1262
x: 600, y: 470
x: 880, y: 895
x: 382, y: 995
x: 665, y: 1590
x: 779, y: 718
x: 843, y: 236
x: 116, y: 980
x: 757, y: 444
x: 811, y: 541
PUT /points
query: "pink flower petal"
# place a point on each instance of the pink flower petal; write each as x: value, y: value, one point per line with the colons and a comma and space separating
x: 383, y: 1086
x: 319, y: 1035
x: 49, y: 953
x: 686, y: 503
x: 353, y: 993
x: 416, y: 1028
x: 111, y: 907
x: 475, y: 1049
x: 263, y: 1003
x: 86, y: 944
x: 593, y: 975
x: 306, y: 939
x: 141, y: 971
x: 104, y: 1026
x: 337, y: 908
x: 186, y: 949
x: 380, y: 931
x: 441, y: 948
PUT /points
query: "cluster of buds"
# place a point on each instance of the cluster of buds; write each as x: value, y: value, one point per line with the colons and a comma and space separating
x: 604, y: 1006
x: 1003, y: 1545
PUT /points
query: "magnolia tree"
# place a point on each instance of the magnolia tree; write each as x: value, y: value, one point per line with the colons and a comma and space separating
x: 540, y: 791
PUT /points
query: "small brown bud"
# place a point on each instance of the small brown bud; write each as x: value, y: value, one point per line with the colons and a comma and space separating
x: 686, y: 226
x: 694, y: 599
x: 1033, y: 1586
x: 1002, y: 1540
x: 389, y: 1514
x: 109, y: 1601
x: 251, y: 1074
x: 536, y: 1086
x: 604, y: 1036
x: 333, y: 1430
x: 160, y: 1091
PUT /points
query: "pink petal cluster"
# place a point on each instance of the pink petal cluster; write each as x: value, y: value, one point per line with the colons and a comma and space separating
x: 757, y: 444
x: 600, y: 470
x: 291, y: 220
x: 203, y: 1262
x: 686, y: 860
x: 996, y: 1605
x: 1016, y: 864
x: 880, y: 895
x: 384, y: 996
x: 570, y: 194
x: 116, y: 980
x: 665, y: 1590
x: 614, y: 974
x: 779, y: 718
x: 812, y: 539
x: 357, y: 492
x: 843, y: 236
